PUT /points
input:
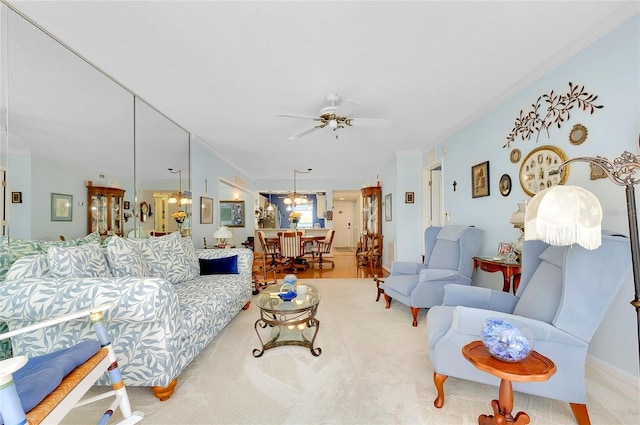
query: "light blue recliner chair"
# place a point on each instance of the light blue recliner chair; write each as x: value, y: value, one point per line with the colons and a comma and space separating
x: 564, y: 293
x: 448, y: 258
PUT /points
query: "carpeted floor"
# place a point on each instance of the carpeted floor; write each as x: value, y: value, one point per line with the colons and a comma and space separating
x: 374, y: 369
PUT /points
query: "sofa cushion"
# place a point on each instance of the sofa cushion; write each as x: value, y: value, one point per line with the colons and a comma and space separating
x: 13, y: 249
x: 125, y: 258
x: 78, y: 261
x: 35, y: 266
x: 166, y: 258
x: 226, y: 265
x: 192, y: 256
x: 42, y: 374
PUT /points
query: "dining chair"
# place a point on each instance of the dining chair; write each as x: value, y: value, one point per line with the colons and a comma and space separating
x: 371, y: 253
x: 270, y: 248
x: 292, y: 250
x: 323, y: 247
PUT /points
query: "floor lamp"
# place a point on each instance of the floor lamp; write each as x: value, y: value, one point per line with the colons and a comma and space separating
x: 622, y: 171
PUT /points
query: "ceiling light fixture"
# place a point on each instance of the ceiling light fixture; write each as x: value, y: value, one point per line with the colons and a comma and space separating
x: 295, y: 198
x: 178, y: 197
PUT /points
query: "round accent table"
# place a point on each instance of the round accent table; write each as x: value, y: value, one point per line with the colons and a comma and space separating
x: 535, y: 367
x: 288, y: 322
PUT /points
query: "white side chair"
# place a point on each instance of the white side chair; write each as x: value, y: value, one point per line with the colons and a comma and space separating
x: 22, y: 380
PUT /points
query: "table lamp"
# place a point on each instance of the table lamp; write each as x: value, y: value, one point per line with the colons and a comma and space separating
x: 222, y: 234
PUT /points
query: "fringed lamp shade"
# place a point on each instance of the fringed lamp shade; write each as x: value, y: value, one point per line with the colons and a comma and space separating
x: 564, y: 215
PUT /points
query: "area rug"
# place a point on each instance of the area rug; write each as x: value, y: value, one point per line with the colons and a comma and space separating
x: 374, y: 369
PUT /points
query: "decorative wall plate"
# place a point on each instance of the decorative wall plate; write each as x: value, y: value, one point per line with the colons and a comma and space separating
x: 578, y: 134
x: 540, y: 169
x: 505, y: 185
x: 515, y: 155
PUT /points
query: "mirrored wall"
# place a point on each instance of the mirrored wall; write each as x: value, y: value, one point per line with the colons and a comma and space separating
x: 70, y: 126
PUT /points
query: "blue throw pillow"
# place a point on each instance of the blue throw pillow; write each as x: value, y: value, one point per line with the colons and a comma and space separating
x: 226, y: 265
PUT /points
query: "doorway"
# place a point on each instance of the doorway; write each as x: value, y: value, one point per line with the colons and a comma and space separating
x: 434, y: 210
x: 344, y: 224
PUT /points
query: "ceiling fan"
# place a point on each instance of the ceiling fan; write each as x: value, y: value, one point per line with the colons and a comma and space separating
x: 336, y: 116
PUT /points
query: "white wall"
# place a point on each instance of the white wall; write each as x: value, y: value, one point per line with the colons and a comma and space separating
x: 208, y: 165
x: 37, y: 178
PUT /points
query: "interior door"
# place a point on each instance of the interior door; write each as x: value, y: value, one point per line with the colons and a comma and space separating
x: 344, y: 224
x: 435, y: 212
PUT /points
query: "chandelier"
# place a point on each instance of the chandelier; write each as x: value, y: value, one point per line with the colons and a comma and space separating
x: 178, y: 197
x: 296, y: 198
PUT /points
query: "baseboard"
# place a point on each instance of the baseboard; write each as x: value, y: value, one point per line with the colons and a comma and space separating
x: 610, y: 370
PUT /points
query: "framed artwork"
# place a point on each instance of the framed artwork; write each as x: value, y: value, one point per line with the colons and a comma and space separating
x: 232, y: 213
x: 515, y: 155
x: 16, y: 197
x: 408, y: 197
x: 206, y: 210
x: 387, y: 207
x: 61, y: 207
x: 144, y: 211
x: 505, y: 185
x: 505, y: 249
x: 127, y: 205
x: 480, y: 180
x: 540, y: 169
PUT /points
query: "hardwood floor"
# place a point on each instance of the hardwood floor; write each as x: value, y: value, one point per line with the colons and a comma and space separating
x: 346, y: 267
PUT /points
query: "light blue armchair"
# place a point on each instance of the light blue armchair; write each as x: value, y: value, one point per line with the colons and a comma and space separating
x: 564, y: 293
x: 448, y: 258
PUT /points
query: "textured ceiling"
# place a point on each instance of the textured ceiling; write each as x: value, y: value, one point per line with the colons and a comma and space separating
x: 224, y: 70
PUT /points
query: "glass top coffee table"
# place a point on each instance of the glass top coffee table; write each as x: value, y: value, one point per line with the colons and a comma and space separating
x: 288, y: 322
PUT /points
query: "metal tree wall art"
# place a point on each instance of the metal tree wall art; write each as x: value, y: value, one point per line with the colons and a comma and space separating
x: 557, y: 112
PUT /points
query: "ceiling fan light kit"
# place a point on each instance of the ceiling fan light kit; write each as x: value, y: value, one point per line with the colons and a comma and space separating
x: 336, y: 116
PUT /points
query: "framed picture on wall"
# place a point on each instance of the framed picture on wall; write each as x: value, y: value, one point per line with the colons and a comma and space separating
x: 16, y: 197
x: 480, y: 180
x: 408, y: 197
x: 61, y: 207
x: 232, y: 213
x: 206, y: 210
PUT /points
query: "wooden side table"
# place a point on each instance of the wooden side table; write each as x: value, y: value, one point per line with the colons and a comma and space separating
x: 509, y: 269
x: 535, y: 367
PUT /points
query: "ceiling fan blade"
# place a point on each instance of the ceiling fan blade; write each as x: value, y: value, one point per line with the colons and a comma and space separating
x: 297, y: 116
x: 305, y: 132
x: 346, y: 107
x: 370, y: 122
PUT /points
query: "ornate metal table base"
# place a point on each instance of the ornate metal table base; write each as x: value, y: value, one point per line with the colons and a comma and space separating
x: 291, y: 323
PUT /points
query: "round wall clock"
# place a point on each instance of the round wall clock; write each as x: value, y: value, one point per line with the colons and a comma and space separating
x: 578, y: 134
x: 540, y: 169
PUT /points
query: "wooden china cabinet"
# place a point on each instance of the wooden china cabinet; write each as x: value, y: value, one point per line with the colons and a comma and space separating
x: 372, y: 210
x: 105, y: 209
x: 371, y: 220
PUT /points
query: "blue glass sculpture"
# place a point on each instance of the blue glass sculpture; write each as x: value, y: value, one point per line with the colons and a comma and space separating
x: 509, y: 341
x: 291, y: 279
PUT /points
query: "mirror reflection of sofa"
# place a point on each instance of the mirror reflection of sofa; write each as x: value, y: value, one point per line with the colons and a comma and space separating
x: 166, y: 312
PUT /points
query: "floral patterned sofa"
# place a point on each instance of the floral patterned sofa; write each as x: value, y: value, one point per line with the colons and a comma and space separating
x: 166, y: 311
